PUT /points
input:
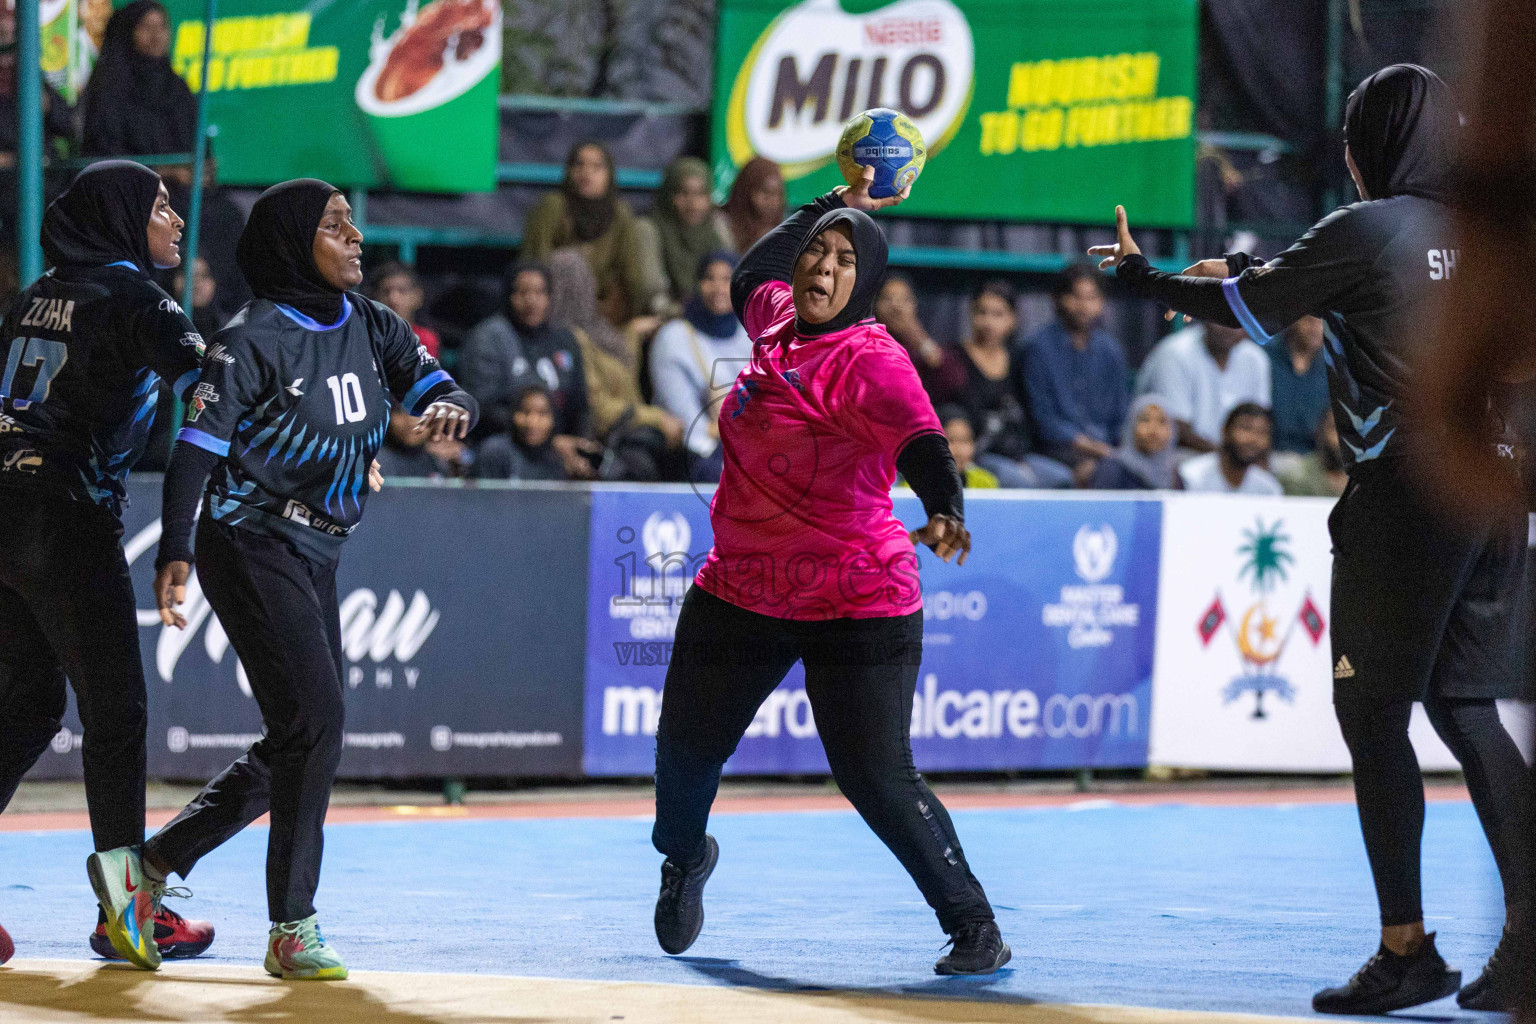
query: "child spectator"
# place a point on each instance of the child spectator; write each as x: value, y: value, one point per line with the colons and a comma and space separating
x: 588, y: 213
x: 1237, y: 467
x: 1203, y: 372
x: 694, y: 360
x: 408, y: 452
x: 135, y: 103
x: 1145, y: 460
x: 995, y: 399
x: 1320, y: 472
x: 397, y: 286
x: 940, y: 367
x: 962, y: 445
x: 1076, y: 376
x: 756, y: 204
x: 683, y: 228
x: 527, y: 451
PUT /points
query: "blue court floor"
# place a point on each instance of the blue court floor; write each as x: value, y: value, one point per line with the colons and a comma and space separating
x: 1243, y: 909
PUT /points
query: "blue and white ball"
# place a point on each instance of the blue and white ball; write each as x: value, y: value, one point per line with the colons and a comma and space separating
x: 886, y: 140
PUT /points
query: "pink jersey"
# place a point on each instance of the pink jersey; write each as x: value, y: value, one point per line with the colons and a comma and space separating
x: 810, y: 433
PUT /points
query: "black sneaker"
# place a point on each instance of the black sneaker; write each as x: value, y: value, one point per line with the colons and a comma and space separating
x: 1390, y: 982
x: 977, y: 947
x: 1498, y: 987
x: 680, y: 907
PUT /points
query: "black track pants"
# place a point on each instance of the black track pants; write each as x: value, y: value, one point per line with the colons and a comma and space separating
x: 860, y: 676
x: 67, y: 608
x: 281, y: 616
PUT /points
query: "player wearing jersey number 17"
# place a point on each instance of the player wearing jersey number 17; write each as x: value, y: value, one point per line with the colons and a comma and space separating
x: 293, y: 406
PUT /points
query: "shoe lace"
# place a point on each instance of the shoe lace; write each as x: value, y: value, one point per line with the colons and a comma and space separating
x: 161, y: 891
x: 671, y: 878
x: 305, y: 929
x: 968, y: 934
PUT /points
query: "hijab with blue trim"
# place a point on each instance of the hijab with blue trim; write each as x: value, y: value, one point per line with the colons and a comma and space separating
x: 103, y: 217
x: 276, y: 252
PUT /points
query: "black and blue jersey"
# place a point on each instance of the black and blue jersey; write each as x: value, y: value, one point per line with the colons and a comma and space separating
x: 298, y: 409
x: 82, y: 354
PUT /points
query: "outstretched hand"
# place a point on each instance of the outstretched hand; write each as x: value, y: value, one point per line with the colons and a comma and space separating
x: 857, y: 197
x: 1124, y: 245
x: 945, y: 535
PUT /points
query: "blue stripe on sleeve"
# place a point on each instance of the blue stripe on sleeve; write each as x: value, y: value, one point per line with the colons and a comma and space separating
x: 185, y: 381
x: 1242, y: 312
x: 207, y: 442
x: 419, y: 391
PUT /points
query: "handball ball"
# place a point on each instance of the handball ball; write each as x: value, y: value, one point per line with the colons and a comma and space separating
x: 886, y: 140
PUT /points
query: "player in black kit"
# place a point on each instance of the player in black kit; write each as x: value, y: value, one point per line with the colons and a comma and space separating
x: 82, y: 353
x: 292, y: 406
x: 1425, y: 607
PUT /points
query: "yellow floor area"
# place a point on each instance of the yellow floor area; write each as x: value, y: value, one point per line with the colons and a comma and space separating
x: 46, y: 991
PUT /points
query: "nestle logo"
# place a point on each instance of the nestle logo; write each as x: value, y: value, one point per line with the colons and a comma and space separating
x: 903, y: 31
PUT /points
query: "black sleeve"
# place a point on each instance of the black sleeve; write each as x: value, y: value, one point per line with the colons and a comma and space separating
x: 1199, y: 297
x: 184, y: 480
x: 930, y: 471
x: 168, y: 343
x: 772, y: 258
x: 415, y: 377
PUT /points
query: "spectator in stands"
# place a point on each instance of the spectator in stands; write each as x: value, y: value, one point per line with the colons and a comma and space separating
x: 1203, y: 372
x: 527, y: 451
x: 962, y: 445
x: 1320, y: 472
x: 645, y: 442
x: 135, y: 103
x: 1076, y: 376
x: 756, y: 203
x: 205, y: 293
x: 521, y: 345
x: 588, y: 213
x: 941, y: 368
x: 995, y: 398
x: 1298, y: 385
x: 1237, y: 467
x: 1146, y: 459
x: 407, y: 452
x: 397, y: 286
x: 683, y: 228
x: 695, y: 358
x: 58, y: 128
x: 94, y: 16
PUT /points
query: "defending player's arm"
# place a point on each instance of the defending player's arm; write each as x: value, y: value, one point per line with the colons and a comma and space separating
x: 421, y: 385
x: 1262, y: 299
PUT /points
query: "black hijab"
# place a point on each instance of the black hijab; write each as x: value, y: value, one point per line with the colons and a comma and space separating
x: 1401, y: 128
x: 528, y: 332
x: 590, y: 218
x: 135, y: 101
x: 276, y: 252
x: 103, y: 217
x: 869, y: 245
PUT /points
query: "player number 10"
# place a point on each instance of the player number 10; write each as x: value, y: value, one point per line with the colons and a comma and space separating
x: 347, y: 393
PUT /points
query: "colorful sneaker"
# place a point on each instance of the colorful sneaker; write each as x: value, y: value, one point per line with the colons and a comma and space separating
x: 297, y: 951
x: 177, y: 937
x: 128, y: 902
x: 7, y: 947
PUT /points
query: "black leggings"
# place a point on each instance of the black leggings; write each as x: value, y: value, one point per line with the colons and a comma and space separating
x: 281, y: 616
x: 860, y: 676
x: 1389, y: 792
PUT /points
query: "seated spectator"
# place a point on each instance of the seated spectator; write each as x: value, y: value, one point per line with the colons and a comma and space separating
x: 396, y: 286
x: 940, y: 368
x: 408, y: 452
x: 695, y: 359
x: 1203, y: 372
x: 962, y: 445
x: 1320, y: 472
x: 135, y: 103
x: 994, y: 397
x: 756, y: 203
x: 1076, y: 376
x: 683, y: 228
x: 520, y: 345
x: 1146, y: 459
x: 645, y: 442
x: 1237, y: 467
x: 1298, y: 384
x: 527, y: 451
x: 205, y: 293
x: 588, y: 213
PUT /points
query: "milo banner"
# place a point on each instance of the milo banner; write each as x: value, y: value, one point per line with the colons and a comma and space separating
x: 359, y: 92
x: 1037, y: 653
x: 1042, y: 110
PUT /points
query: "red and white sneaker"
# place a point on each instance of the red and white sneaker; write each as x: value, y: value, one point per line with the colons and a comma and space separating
x: 8, y: 948
x: 176, y: 937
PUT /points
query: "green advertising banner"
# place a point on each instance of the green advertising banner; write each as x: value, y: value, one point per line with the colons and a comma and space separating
x: 1039, y: 110
x: 364, y: 93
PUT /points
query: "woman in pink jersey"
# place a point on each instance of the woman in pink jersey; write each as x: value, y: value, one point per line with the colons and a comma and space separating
x: 809, y: 564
